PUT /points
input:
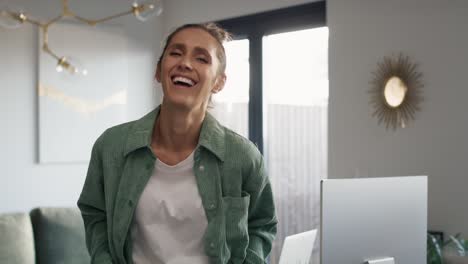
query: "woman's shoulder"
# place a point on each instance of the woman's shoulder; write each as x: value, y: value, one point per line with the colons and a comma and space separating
x: 118, y: 135
x: 240, y: 147
x: 115, y: 133
x: 242, y: 154
x: 113, y: 140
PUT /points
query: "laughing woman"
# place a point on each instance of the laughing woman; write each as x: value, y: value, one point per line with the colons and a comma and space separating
x: 175, y: 186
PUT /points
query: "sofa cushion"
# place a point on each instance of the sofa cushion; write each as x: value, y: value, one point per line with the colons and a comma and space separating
x: 59, y: 236
x: 452, y: 259
x: 16, y: 239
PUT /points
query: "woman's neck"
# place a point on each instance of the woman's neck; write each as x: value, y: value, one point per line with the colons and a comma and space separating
x: 175, y: 133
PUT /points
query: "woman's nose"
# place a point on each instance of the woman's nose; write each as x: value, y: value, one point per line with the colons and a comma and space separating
x: 185, y: 64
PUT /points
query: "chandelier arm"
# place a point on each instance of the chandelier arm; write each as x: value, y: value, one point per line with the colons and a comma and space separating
x: 53, y: 20
x: 94, y: 22
x: 35, y: 22
x: 45, y: 42
x: 12, y: 15
x: 84, y: 20
x: 47, y: 50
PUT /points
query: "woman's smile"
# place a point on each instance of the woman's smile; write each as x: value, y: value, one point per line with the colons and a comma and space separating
x: 183, y: 81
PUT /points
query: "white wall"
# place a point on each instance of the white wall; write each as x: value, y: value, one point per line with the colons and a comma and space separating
x: 178, y: 12
x: 433, y: 33
x: 25, y: 183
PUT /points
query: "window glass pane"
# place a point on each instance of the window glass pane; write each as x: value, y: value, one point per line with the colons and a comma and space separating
x: 295, y: 127
x: 231, y: 105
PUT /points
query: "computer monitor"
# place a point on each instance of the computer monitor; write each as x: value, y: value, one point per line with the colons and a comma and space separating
x: 374, y: 220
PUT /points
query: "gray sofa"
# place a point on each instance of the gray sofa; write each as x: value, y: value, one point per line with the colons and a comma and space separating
x: 44, y: 236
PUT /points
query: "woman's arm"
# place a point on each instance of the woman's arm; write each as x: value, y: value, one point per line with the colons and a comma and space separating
x: 262, y: 218
x: 93, y: 209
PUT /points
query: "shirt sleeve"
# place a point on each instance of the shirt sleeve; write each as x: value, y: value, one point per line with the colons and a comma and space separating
x: 262, y: 219
x: 93, y: 210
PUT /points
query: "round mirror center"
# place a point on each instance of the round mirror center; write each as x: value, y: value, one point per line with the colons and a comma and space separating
x: 395, y: 91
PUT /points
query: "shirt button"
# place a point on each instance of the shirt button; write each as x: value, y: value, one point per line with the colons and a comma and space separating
x: 212, y: 245
x: 201, y: 168
x: 211, y: 206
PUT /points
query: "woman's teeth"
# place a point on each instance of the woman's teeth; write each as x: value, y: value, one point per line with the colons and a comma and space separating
x: 183, y: 81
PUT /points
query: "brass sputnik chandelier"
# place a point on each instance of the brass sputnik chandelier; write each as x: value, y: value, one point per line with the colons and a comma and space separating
x: 13, y: 19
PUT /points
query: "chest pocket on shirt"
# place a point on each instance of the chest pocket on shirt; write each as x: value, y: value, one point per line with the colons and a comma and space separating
x: 236, y: 213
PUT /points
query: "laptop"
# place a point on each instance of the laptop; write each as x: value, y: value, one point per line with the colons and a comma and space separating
x: 297, y: 249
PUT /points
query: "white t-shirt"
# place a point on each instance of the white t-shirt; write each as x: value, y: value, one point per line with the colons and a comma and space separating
x: 170, y: 220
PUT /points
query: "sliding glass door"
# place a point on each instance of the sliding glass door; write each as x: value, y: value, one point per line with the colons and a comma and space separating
x: 277, y: 96
x: 295, y: 99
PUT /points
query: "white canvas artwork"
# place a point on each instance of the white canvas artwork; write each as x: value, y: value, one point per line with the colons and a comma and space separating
x: 75, y: 109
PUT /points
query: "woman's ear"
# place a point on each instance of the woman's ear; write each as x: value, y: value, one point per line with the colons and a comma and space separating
x: 219, y: 83
x: 157, y: 74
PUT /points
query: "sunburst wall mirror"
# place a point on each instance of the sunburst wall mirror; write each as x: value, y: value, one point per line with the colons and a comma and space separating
x: 396, y: 91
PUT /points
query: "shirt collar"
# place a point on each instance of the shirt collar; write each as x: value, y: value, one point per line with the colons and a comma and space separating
x: 211, y: 135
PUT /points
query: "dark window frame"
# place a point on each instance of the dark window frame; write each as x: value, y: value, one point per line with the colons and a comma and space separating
x: 254, y: 28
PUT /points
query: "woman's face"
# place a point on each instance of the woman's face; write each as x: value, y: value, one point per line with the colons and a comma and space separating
x: 189, y: 70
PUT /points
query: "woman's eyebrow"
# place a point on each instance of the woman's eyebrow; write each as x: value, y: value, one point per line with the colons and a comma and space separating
x: 177, y: 46
x: 183, y: 47
x: 202, y: 51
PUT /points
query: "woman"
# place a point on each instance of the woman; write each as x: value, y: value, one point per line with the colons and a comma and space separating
x: 175, y: 186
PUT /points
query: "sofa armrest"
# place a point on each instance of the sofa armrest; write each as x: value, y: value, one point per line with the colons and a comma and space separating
x: 16, y: 239
x: 59, y: 236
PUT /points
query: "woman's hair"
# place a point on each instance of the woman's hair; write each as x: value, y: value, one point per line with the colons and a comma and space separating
x: 220, y: 34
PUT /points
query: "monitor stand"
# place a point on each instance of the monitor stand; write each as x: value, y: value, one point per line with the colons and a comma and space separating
x: 381, y: 261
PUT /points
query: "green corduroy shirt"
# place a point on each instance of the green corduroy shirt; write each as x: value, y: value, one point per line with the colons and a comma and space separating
x: 231, y: 179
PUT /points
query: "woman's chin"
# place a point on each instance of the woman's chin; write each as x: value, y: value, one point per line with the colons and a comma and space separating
x: 181, y: 103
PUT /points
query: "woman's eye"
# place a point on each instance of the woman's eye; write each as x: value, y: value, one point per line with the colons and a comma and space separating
x: 174, y: 53
x: 203, y: 60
